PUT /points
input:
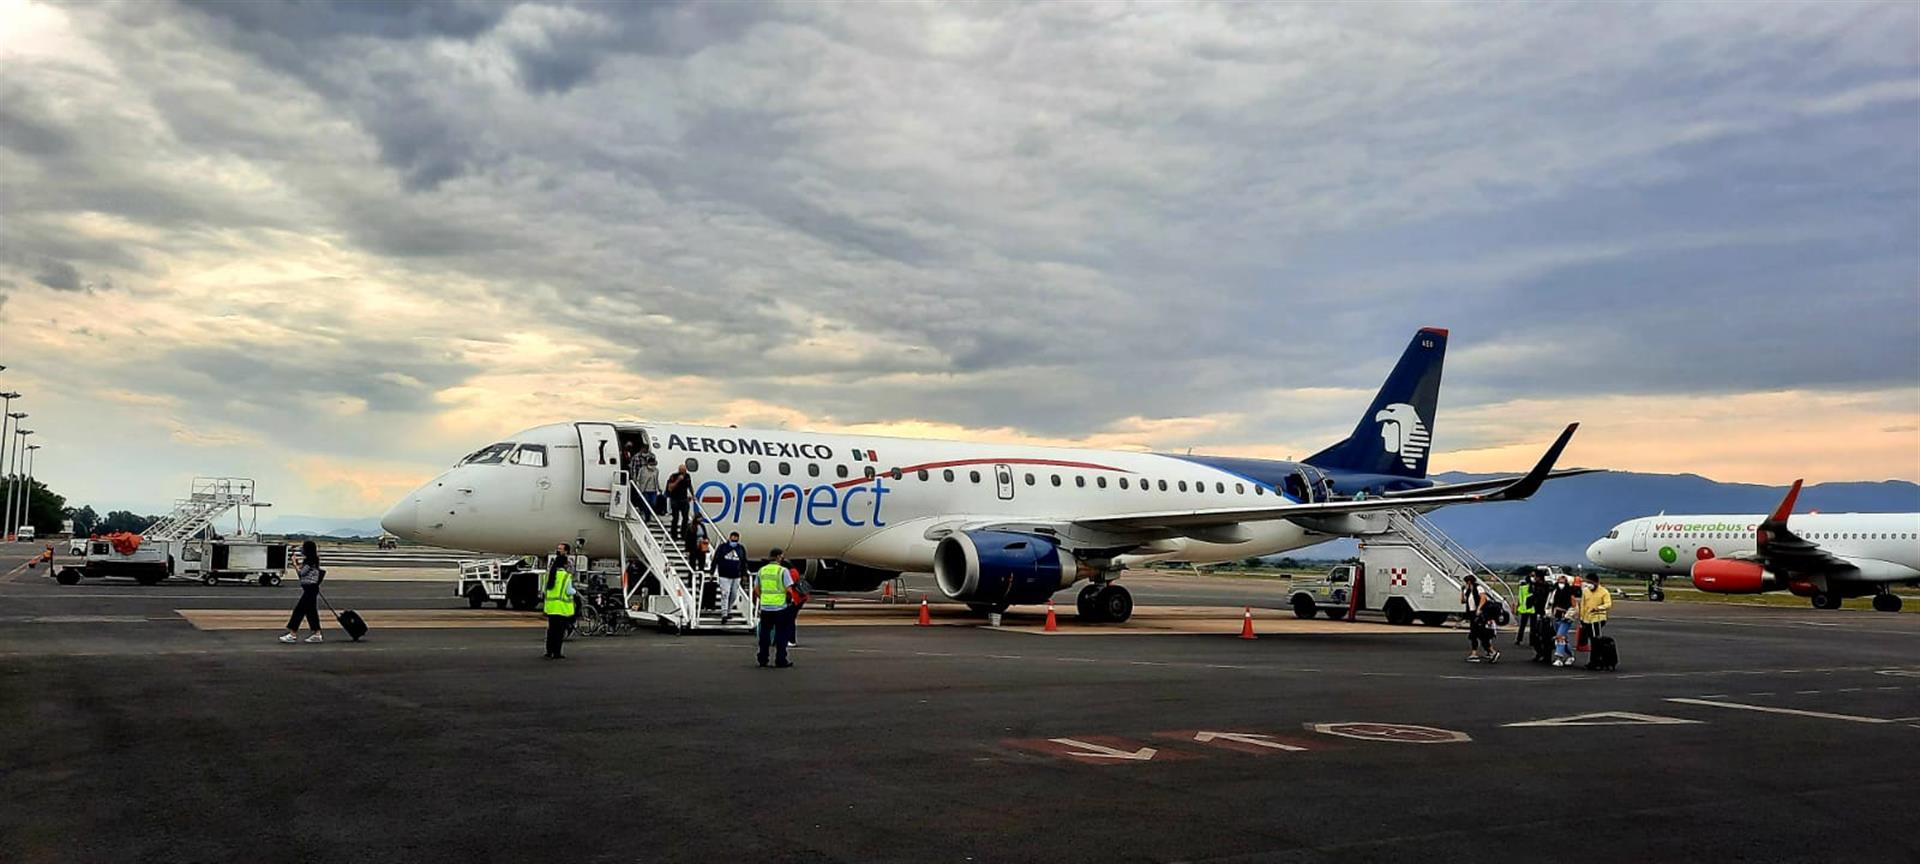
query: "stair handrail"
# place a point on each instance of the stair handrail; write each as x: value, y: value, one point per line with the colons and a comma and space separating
x: 743, y: 597
x: 657, y: 558
x: 1465, y: 555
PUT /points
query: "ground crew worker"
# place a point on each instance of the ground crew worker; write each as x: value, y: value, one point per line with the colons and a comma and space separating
x: 1524, y: 599
x: 773, y: 589
x: 1595, y: 603
x: 559, y: 601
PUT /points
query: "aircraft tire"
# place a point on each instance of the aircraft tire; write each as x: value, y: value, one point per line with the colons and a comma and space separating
x: 1888, y: 602
x: 1826, y: 600
x: 1083, y: 605
x: 1115, y: 604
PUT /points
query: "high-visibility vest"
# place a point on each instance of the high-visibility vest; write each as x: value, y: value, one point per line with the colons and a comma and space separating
x: 773, y: 586
x: 558, y: 603
x: 1526, y: 592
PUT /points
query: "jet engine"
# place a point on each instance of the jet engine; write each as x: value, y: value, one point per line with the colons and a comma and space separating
x: 1002, y: 567
x: 1730, y: 576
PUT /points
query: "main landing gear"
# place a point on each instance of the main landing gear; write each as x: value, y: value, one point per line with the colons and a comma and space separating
x: 1104, y: 602
x: 1831, y: 600
x: 1886, y: 601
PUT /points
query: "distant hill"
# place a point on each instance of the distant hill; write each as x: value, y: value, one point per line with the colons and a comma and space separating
x: 1557, y: 524
x: 318, y: 526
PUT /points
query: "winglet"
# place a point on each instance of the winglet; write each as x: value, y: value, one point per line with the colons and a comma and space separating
x: 1524, y: 487
x: 1785, y: 509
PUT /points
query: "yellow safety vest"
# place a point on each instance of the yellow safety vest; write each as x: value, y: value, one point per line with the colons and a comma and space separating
x: 558, y: 603
x: 773, y: 586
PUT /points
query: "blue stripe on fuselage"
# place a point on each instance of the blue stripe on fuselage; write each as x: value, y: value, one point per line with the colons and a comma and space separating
x: 1272, y: 474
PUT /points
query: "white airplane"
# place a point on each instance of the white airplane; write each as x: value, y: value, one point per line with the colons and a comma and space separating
x: 1823, y: 556
x: 998, y: 524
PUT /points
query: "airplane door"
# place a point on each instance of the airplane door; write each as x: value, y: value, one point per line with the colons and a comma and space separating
x: 1640, y: 532
x: 1003, y: 481
x: 599, y: 461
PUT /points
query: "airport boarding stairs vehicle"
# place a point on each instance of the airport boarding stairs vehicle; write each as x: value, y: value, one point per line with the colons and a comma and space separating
x: 207, y: 499
x: 1409, y: 570
x: 673, y: 595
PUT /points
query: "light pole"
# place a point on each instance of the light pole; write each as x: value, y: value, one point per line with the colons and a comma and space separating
x: 6, y: 444
x: 26, y: 500
x: 13, y: 446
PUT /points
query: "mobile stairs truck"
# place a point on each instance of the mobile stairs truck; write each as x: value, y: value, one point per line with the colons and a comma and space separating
x: 182, y: 546
x: 1408, y: 570
x: 671, y: 593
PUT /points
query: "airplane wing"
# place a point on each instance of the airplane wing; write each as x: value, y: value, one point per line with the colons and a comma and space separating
x: 1512, y: 490
x: 1783, y: 551
x: 1481, y: 485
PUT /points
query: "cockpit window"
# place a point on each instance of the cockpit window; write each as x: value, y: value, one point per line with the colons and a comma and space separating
x: 531, y: 455
x: 491, y: 454
x: 1614, y: 534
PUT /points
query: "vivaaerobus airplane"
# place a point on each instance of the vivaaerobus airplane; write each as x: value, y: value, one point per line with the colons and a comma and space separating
x: 998, y: 524
x: 1823, y: 556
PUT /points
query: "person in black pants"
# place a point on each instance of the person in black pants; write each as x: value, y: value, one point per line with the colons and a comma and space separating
x: 558, y: 601
x: 679, y: 495
x: 309, y: 605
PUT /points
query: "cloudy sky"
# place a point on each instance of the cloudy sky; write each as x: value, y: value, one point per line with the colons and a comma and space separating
x: 334, y: 246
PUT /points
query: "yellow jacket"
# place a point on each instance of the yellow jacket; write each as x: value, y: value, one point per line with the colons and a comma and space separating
x: 1595, y: 602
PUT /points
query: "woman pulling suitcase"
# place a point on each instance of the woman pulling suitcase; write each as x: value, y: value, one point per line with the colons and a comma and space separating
x: 309, y: 605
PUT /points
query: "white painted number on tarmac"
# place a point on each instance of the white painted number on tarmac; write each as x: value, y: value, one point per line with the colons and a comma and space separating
x: 1401, y: 733
x: 1245, y: 738
x: 1099, y: 751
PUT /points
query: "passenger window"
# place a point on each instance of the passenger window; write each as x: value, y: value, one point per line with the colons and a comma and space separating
x: 753, y: 466
x: 1183, y: 485
x: 531, y: 455
x: 947, y: 475
x: 785, y: 469
x: 1100, y: 482
x: 1029, y: 479
x: 1079, y: 481
x: 813, y: 470
x: 895, y: 474
x: 1259, y: 490
x: 1056, y: 479
x: 974, y: 476
x: 723, y: 466
x: 869, y: 472
x: 1220, y: 488
x: 923, y: 475
x: 1163, y: 485
x: 692, y: 464
x: 840, y: 470
x: 1123, y: 482
x: 1239, y: 488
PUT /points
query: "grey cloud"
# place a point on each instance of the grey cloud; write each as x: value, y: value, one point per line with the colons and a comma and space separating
x: 58, y: 275
x: 384, y: 19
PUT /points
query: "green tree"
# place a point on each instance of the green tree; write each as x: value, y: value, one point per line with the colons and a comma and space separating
x: 124, y: 520
x: 45, y: 508
x: 84, y: 520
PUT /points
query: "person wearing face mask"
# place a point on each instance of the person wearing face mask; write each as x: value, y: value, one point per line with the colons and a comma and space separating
x: 1562, y: 606
x: 558, y: 600
x: 1480, y: 615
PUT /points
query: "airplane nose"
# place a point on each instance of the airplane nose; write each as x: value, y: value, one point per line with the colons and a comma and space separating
x: 403, y: 520
x: 1594, y: 554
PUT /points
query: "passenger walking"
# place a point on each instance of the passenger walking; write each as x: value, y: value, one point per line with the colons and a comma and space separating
x: 730, y: 564
x: 308, y: 607
x: 633, y: 461
x: 1482, y: 622
x: 680, y: 495
x: 649, y: 480
x: 693, y: 537
x: 559, y: 600
x: 1595, y: 602
x: 1562, y: 606
x: 774, y: 591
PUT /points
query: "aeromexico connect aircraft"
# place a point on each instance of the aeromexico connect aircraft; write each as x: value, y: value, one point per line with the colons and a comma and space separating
x: 1825, y: 557
x: 997, y: 524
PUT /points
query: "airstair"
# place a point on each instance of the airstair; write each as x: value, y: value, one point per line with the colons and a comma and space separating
x: 207, y: 499
x: 1409, y: 528
x: 671, y: 594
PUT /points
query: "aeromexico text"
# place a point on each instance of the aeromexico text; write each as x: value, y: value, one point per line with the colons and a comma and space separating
x: 750, y: 447
x: 820, y: 506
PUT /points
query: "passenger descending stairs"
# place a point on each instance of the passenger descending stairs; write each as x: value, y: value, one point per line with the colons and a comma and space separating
x: 209, y: 498
x: 1411, y: 529
x: 649, y: 537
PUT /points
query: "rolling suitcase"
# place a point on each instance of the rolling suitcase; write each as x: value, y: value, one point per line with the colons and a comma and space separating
x: 350, y: 620
x: 1604, y: 657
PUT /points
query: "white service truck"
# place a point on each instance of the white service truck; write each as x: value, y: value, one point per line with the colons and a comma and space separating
x: 1395, y: 579
x: 501, y: 581
x: 151, y: 561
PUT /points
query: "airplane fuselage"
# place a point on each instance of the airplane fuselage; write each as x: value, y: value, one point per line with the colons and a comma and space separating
x: 1885, y: 547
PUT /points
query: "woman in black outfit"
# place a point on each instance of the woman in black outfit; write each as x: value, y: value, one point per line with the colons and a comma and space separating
x: 309, y: 605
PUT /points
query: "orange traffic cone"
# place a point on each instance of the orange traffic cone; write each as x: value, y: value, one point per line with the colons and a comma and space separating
x: 925, y: 616
x: 1053, y: 623
x: 1246, y: 625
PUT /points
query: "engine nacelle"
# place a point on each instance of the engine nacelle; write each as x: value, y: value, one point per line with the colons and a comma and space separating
x: 1001, y: 567
x: 1729, y: 576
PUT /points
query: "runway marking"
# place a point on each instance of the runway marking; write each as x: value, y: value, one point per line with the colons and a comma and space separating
x: 1399, y: 733
x: 1249, y: 741
x: 1769, y: 709
x: 1606, y: 718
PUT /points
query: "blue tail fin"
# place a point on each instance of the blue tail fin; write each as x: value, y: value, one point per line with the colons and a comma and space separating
x: 1394, y: 435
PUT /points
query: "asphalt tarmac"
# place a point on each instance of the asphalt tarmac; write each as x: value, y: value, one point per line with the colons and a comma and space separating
x: 1731, y: 734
